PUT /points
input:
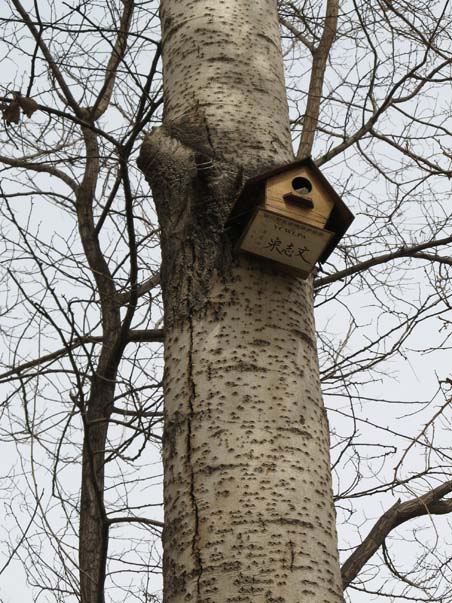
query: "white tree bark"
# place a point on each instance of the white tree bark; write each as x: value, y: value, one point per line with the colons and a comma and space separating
x: 224, y: 59
x: 249, y: 514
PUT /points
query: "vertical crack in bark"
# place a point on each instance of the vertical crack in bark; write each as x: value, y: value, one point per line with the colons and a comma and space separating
x: 292, y: 555
x: 191, y: 398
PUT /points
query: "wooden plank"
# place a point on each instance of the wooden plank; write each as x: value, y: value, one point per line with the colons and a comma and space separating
x: 301, y: 214
x: 279, y: 239
x: 281, y: 184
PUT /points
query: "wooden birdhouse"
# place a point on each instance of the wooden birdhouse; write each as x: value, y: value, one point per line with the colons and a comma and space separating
x: 290, y: 215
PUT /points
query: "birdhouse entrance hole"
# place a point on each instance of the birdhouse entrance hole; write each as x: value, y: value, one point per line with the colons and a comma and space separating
x: 302, y: 186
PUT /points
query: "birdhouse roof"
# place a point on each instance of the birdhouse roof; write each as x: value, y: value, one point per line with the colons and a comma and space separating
x: 251, y: 195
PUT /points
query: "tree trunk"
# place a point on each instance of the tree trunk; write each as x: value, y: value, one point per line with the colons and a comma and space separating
x: 97, y: 409
x: 93, y: 532
x: 249, y: 514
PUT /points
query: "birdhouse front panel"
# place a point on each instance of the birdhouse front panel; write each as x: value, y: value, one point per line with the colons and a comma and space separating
x: 299, y: 194
x: 294, y: 244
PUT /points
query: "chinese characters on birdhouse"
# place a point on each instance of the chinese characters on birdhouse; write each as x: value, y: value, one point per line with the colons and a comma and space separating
x: 285, y: 241
x: 291, y: 216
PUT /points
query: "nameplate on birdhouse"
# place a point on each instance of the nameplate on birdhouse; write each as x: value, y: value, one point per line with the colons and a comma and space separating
x: 294, y: 244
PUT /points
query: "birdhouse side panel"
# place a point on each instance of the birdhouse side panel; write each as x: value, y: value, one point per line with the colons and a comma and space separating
x: 282, y: 184
x: 251, y: 197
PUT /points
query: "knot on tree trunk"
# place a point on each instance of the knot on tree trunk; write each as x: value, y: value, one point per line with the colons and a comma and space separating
x: 194, y: 189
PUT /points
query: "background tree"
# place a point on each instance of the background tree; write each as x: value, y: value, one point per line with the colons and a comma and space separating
x: 82, y: 314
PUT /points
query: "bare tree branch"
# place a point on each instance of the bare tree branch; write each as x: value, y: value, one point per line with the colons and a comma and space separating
x: 22, y: 538
x: 136, y: 336
x: 40, y: 167
x: 49, y: 58
x: 428, y: 504
x: 297, y: 33
x: 116, y: 57
x: 144, y: 520
x: 403, y: 252
x: 320, y: 58
x: 123, y: 298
